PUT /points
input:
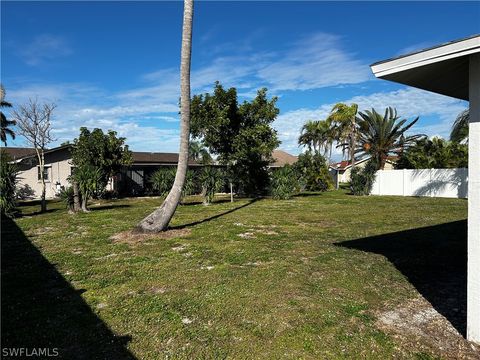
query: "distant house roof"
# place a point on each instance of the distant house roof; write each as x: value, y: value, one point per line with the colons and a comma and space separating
x: 345, y: 164
x: 282, y: 158
x: 156, y: 158
x: 19, y: 152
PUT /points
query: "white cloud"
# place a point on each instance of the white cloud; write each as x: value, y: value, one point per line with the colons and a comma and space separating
x: 409, y: 103
x: 314, y: 62
x: 44, y: 47
x: 146, y: 113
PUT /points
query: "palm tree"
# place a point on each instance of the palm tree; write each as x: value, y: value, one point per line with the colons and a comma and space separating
x: 380, y: 136
x: 308, y: 135
x: 5, y: 123
x: 160, y: 218
x: 316, y: 135
x: 198, y: 152
x: 459, y: 131
x: 344, y: 118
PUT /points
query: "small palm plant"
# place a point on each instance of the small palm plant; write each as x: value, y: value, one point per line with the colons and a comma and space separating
x: 162, y: 180
x: 284, y: 183
x: 212, y: 180
x: 89, y: 180
x: 380, y: 136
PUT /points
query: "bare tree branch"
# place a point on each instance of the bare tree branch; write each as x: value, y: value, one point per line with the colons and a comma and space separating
x: 34, y: 122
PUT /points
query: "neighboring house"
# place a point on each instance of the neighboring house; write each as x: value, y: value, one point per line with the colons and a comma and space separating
x: 134, y: 180
x: 131, y: 181
x: 282, y: 158
x: 58, y: 168
x: 343, y: 169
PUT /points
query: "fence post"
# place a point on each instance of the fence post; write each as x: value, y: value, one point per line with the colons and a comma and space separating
x: 403, y: 181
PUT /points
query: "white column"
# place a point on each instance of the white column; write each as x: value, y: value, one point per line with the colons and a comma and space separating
x: 473, y: 268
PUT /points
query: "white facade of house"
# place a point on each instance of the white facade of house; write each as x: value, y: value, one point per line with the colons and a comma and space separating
x: 58, y: 168
x: 452, y: 69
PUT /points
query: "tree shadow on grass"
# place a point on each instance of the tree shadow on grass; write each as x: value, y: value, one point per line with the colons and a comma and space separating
x: 40, y: 309
x: 108, y: 207
x: 198, y: 222
x: 434, y: 259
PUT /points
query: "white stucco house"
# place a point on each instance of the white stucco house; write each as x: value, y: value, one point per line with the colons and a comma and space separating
x: 452, y: 69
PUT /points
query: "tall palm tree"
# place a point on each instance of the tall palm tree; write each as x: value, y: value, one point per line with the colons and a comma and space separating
x: 308, y: 135
x: 160, y: 218
x: 381, y: 136
x: 344, y: 117
x: 5, y: 123
x: 316, y: 135
x: 459, y: 131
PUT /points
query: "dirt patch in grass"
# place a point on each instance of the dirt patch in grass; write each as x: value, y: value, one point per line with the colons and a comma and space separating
x: 135, y: 237
x: 417, y: 322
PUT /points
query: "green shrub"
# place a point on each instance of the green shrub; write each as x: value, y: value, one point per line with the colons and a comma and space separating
x: 8, y: 181
x: 66, y: 195
x: 284, y: 183
x: 90, y: 182
x: 162, y: 180
x: 313, y: 172
x: 212, y: 181
x: 361, y: 180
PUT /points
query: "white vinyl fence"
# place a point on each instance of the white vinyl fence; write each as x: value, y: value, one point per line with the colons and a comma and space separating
x: 449, y: 183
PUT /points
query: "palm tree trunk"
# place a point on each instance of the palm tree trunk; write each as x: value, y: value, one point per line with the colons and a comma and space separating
x: 352, y: 149
x: 76, y: 197
x: 160, y: 218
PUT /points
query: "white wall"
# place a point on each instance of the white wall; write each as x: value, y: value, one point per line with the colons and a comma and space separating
x: 450, y: 183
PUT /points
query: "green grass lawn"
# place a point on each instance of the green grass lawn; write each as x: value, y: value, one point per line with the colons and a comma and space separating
x: 303, y: 278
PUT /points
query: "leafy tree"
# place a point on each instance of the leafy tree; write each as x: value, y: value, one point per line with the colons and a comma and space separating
x: 105, y: 152
x: 8, y: 182
x: 344, y: 119
x: 381, y: 136
x: 313, y: 172
x: 459, y: 131
x: 160, y: 218
x: 435, y: 153
x: 5, y: 123
x: 240, y: 135
x: 284, y: 183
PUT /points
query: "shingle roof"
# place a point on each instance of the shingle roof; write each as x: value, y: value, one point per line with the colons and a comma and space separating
x: 282, y: 158
x: 19, y: 152
x: 141, y: 157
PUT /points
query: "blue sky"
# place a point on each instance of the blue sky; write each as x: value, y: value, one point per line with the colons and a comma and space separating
x: 114, y: 65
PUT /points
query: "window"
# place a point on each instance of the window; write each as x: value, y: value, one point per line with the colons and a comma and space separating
x: 45, y: 173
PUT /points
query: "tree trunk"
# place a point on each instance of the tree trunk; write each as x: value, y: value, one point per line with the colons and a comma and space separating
x: 160, y: 218
x: 84, y: 204
x: 76, y: 197
x: 231, y: 192
x: 352, y: 149
x: 41, y: 165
